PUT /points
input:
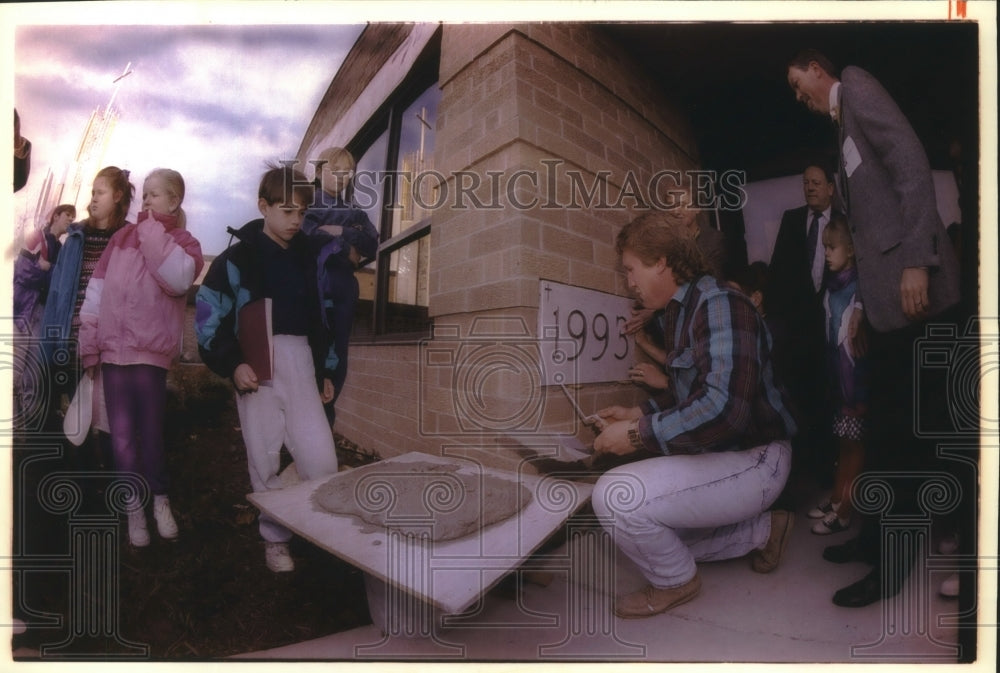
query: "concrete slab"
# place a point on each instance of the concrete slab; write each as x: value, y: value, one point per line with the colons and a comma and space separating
x: 448, y: 575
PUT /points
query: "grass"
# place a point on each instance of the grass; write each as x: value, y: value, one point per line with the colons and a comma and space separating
x: 208, y: 594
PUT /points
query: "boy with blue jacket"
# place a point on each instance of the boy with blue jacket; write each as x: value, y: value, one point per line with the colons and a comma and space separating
x: 273, y: 260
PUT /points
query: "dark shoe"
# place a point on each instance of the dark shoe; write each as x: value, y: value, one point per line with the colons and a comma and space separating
x: 866, y: 591
x: 844, y: 553
x: 652, y: 601
x: 765, y: 560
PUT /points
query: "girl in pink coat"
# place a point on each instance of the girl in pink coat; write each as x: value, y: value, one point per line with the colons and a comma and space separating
x: 130, y: 325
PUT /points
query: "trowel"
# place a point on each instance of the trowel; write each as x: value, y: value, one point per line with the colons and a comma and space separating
x: 574, y: 449
x: 592, y: 420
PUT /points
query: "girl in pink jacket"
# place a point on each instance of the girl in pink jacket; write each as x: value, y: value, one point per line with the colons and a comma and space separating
x: 131, y: 324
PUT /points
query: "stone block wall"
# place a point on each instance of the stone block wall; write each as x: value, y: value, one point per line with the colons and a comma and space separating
x: 540, y: 130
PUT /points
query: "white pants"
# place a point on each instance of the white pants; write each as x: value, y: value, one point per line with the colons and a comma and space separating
x: 288, y: 411
x: 666, y: 513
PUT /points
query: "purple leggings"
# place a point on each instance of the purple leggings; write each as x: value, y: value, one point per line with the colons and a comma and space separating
x: 136, y: 396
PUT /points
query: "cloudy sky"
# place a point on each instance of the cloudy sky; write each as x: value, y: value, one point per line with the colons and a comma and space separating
x: 213, y: 102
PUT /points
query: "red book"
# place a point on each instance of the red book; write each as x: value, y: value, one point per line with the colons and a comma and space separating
x: 256, y: 337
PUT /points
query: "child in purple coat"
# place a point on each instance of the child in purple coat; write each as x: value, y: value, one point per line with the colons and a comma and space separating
x: 32, y: 273
x: 346, y: 239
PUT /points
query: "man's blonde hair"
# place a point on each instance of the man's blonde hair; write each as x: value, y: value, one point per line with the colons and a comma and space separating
x: 654, y: 235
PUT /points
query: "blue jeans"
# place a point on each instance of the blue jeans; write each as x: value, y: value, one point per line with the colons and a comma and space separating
x: 667, y: 513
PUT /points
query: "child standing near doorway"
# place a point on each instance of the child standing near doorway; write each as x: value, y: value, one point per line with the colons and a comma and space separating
x: 346, y: 239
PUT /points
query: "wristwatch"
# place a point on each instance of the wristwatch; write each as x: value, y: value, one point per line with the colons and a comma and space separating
x: 633, y: 436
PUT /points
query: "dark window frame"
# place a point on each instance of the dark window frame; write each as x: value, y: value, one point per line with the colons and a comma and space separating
x: 388, y: 117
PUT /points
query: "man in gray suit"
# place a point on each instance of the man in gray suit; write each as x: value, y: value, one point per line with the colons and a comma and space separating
x: 907, y: 275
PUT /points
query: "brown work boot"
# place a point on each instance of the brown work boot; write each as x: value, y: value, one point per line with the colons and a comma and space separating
x: 765, y: 560
x: 652, y: 601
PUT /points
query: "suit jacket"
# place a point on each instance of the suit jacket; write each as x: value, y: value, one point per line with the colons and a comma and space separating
x: 888, y: 193
x: 796, y: 312
x: 790, y: 283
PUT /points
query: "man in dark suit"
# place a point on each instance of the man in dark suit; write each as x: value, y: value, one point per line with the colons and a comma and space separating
x: 907, y: 275
x: 794, y: 303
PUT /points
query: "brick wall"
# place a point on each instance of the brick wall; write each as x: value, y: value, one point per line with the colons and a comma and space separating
x: 542, y: 93
x: 514, y: 97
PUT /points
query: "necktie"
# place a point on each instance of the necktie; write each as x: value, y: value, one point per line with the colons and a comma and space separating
x: 811, y: 238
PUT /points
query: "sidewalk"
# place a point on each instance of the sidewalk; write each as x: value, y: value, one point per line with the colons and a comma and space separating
x: 740, y: 616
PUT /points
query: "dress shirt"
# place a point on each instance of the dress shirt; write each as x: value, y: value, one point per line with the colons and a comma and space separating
x: 835, y: 102
x: 819, y: 258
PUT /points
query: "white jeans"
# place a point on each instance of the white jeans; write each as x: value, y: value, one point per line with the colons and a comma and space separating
x: 666, y: 513
x: 286, y: 412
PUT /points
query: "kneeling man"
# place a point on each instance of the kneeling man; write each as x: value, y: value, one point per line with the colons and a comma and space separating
x: 723, y: 428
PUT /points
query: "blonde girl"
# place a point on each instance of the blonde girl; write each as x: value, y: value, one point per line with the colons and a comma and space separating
x: 848, y: 376
x: 132, y: 321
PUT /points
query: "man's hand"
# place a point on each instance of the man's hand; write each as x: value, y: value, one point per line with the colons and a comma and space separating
x: 640, y: 316
x: 44, y: 264
x: 913, y: 292
x: 614, y: 439
x: 328, y: 391
x: 651, y: 375
x: 616, y: 413
x: 656, y: 353
x: 857, y: 334
x: 90, y: 371
x: 20, y: 143
x: 244, y: 379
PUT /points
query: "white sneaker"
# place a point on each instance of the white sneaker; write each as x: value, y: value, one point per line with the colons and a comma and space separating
x: 822, y: 510
x: 949, y: 588
x: 277, y: 557
x: 165, y: 524
x: 831, y: 523
x: 138, y: 535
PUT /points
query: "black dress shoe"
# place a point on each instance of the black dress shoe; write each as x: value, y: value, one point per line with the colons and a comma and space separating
x: 844, y: 552
x: 866, y: 591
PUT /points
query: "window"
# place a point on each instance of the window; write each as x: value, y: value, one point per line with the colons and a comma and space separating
x: 394, y: 147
